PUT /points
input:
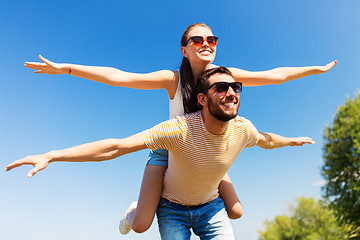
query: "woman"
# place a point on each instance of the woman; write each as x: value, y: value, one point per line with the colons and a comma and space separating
x: 198, y: 46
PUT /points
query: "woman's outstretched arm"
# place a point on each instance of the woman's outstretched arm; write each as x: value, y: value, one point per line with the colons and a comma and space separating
x: 278, y: 75
x: 164, y: 79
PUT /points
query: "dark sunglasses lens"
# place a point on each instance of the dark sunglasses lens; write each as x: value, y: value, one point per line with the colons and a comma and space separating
x: 197, y: 40
x: 236, y: 87
x: 222, y: 87
x: 211, y: 40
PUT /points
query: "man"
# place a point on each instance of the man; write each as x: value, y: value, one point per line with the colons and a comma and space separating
x: 202, y: 146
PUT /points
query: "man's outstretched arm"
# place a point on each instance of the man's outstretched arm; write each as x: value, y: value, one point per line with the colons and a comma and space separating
x: 271, y: 140
x: 95, y: 151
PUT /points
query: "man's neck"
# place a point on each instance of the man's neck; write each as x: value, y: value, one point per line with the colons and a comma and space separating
x: 213, y: 125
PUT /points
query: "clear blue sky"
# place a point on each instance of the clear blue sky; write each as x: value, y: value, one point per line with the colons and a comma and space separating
x: 39, y: 113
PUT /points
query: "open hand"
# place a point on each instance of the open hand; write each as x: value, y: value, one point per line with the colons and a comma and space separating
x: 39, y: 162
x: 327, y: 67
x: 299, y: 141
x: 46, y: 66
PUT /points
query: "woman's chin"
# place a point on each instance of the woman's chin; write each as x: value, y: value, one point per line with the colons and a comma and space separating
x: 207, y: 59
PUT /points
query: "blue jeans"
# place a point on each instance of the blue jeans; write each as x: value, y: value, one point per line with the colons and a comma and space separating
x: 208, y: 221
x: 158, y: 157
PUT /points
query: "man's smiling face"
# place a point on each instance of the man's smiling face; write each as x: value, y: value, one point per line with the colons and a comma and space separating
x: 223, y: 106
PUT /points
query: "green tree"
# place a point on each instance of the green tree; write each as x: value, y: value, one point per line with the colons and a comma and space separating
x: 309, y: 220
x: 341, y: 168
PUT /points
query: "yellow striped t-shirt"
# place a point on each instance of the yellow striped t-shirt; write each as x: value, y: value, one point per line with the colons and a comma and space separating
x: 198, y: 160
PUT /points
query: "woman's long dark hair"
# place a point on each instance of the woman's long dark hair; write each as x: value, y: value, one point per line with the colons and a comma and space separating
x: 187, y: 80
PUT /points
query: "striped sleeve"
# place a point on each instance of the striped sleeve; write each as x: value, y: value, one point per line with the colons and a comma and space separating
x: 163, y: 135
x: 253, y: 134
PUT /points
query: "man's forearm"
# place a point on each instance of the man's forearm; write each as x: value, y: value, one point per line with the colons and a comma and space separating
x: 95, y: 151
x: 100, y: 150
x: 272, y: 140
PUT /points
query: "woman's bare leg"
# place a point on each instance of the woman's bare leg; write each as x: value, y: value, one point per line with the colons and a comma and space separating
x: 141, y: 218
x: 232, y: 203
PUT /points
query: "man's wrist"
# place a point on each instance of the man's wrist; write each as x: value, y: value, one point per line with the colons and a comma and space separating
x: 292, y: 141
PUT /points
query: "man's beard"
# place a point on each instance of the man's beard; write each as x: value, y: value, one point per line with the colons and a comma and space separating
x: 217, y: 112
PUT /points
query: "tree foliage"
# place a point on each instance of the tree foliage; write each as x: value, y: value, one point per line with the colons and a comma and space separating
x: 309, y: 220
x: 341, y: 168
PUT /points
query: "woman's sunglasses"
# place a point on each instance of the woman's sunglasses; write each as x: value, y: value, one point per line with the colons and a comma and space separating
x: 223, y: 87
x: 198, y: 41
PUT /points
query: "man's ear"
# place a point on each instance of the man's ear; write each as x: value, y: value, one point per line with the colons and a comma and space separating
x: 184, y: 52
x: 202, y: 100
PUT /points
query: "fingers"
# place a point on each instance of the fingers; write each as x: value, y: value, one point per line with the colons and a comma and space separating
x: 311, y: 142
x: 300, y: 141
x: 38, y: 167
x: 303, y: 140
x: 307, y: 140
x: 33, y: 171
x: 15, y: 164
x: 34, y: 65
x: 327, y: 67
x: 44, y: 60
x: 37, y: 65
x: 38, y: 161
x: 45, y: 66
x: 11, y: 166
x: 330, y: 65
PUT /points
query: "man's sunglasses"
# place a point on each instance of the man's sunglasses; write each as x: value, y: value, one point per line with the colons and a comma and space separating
x: 198, y: 41
x: 223, y: 87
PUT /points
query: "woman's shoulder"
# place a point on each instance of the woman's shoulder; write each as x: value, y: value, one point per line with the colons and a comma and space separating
x: 165, y: 74
x: 167, y: 79
x: 213, y: 66
x: 173, y: 84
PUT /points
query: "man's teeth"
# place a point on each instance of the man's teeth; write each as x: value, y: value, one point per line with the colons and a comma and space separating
x: 229, y: 104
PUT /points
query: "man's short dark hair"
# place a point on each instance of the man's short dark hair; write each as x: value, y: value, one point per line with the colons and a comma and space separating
x: 203, y: 83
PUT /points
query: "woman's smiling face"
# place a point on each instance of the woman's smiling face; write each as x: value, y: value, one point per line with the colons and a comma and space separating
x: 204, y: 53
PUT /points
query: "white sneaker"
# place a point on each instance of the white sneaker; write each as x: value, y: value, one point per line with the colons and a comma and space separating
x: 124, y: 226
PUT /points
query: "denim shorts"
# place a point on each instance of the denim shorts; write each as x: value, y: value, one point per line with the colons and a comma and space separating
x: 158, y: 157
x: 208, y: 221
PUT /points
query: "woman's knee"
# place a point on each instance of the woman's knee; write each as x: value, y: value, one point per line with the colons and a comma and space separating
x: 140, y: 226
x: 235, y: 212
